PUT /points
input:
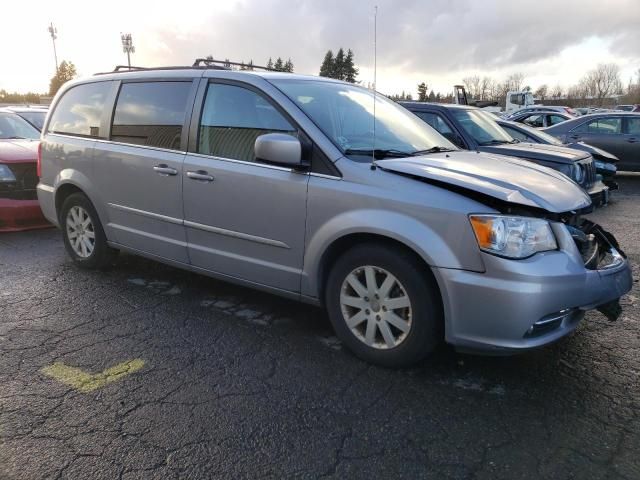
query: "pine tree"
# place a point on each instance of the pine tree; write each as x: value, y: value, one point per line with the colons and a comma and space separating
x: 66, y: 71
x: 270, y: 63
x: 288, y: 66
x: 350, y: 70
x: 327, y: 67
x: 279, y: 65
x: 422, y: 92
x: 339, y: 65
x: 432, y: 96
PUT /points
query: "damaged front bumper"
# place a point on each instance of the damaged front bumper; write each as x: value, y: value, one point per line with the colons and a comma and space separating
x: 518, y: 305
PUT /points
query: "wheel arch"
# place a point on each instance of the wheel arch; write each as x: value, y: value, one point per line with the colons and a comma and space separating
x: 352, y: 240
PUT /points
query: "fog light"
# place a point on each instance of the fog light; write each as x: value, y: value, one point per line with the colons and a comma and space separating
x: 548, y: 323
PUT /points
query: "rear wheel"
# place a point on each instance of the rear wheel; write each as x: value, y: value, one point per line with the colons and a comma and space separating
x: 83, y: 235
x: 384, y: 306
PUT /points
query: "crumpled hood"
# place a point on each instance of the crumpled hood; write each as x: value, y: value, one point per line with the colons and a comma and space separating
x: 505, y: 178
x: 18, y: 150
x: 537, y: 152
x: 597, y: 153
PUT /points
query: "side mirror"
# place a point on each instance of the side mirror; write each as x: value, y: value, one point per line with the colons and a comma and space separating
x: 279, y: 148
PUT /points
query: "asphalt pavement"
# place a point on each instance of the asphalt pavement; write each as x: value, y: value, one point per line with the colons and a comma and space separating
x: 144, y: 371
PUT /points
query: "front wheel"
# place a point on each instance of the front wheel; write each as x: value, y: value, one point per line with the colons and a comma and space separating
x: 384, y: 306
x: 84, y: 237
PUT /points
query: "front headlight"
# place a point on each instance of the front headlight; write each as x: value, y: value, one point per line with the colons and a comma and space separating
x: 577, y: 173
x: 610, y: 167
x: 512, y: 237
x: 6, y: 175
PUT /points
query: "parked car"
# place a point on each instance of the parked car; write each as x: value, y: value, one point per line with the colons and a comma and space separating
x: 615, y: 132
x: 540, y: 119
x: 629, y: 108
x: 605, y: 162
x: 277, y: 181
x: 543, y: 108
x: 472, y: 129
x: 34, y: 115
x: 19, y: 208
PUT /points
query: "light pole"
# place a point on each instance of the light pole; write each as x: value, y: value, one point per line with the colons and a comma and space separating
x: 53, y: 31
x: 127, y: 46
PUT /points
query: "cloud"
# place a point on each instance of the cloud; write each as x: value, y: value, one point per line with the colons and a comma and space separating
x: 437, y: 40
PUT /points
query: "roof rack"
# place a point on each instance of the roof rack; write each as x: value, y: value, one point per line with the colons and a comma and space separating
x: 200, y: 63
x: 226, y: 64
x: 119, y: 68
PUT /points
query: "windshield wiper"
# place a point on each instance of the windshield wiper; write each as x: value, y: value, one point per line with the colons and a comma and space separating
x: 435, y: 149
x: 15, y: 137
x: 378, y: 153
x: 494, y: 142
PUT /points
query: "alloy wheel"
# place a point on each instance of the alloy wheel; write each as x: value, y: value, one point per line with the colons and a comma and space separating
x: 80, y: 232
x: 376, y: 307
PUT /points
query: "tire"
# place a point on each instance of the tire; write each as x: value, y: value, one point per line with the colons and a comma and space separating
x: 420, y: 331
x: 83, y: 235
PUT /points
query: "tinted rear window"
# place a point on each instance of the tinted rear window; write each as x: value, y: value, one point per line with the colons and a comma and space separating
x: 79, y: 111
x: 151, y: 113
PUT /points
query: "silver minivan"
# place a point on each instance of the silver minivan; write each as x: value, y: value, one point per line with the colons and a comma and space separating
x: 324, y: 192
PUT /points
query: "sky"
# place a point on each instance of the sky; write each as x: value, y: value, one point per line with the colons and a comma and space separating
x: 436, y: 41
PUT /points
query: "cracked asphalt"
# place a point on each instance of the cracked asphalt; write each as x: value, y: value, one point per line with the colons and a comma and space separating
x: 240, y: 384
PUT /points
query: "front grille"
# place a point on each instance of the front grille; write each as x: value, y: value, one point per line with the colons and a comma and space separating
x: 24, y: 187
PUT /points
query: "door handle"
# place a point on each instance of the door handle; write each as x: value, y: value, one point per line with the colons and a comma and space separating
x: 165, y: 170
x: 200, y: 175
x: 574, y: 137
x: 633, y: 140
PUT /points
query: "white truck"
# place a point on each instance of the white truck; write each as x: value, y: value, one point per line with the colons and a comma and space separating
x: 517, y: 100
x: 514, y: 101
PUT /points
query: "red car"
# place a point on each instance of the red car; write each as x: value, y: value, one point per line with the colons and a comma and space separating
x: 19, y: 207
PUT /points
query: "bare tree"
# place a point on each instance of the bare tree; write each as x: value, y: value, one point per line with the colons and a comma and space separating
x: 472, y: 85
x: 603, y: 81
x: 515, y: 80
x: 485, y: 86
x: 557, y: 91
x: 542, y: 91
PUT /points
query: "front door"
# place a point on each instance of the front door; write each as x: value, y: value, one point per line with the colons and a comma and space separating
x: 603, y: 132
x: 244, y: 219
x: 139, y: 173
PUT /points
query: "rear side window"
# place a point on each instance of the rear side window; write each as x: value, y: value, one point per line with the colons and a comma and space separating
x: 79, y: 111
x: 151, y: 114
x: 554, y: 119
x: 535, y: 120
x: 610, y: 125
x: 232, y: 118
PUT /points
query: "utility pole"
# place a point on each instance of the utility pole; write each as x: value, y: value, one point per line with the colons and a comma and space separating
x: 53, y: 31
x: 127, y: 46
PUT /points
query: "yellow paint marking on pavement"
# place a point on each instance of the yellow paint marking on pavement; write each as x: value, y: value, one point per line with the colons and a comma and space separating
x: 86, y: 382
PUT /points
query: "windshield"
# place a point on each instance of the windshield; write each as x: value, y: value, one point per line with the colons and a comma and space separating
x: 35, y: 118
x: 481, y: 126
x: 14, y: 126
x: 345, y: 114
